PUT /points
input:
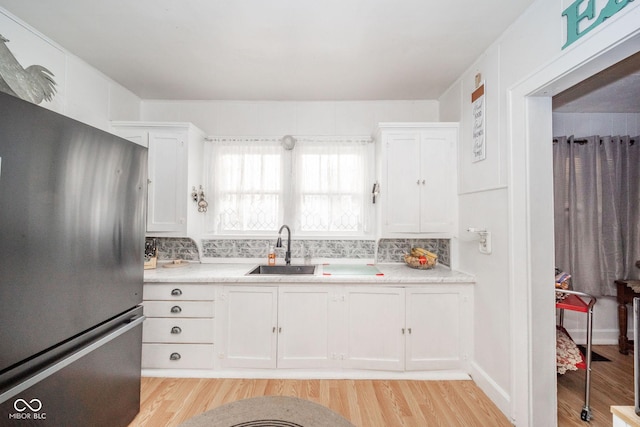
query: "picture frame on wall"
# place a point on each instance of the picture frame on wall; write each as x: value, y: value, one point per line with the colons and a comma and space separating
x: 478, y: 107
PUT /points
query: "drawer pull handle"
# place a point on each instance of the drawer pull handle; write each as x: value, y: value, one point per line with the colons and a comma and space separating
x: 175, y: 356
x: 176, y: 292
x: 176, y: 309
x: 176, y: 330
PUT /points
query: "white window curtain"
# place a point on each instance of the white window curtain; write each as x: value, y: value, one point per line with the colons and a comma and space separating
x: 331, y: 185
x: 245, y: 176
x: 320, y: 186
x: 597, y: 210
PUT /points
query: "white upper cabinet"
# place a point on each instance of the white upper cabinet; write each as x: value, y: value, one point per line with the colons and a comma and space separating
x: 418, y: 175
x: 175, y: 168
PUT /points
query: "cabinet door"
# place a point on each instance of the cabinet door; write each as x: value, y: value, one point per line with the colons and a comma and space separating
x: 166, y: 207
x: 249, y: 326
x: 403, y: 183
x: 438, y: 178
x: 374, y: 326
x: 308, y: 327
x: 433, y: 321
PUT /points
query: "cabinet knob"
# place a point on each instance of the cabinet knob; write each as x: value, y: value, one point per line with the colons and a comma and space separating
x: 409, y: 330
x: 424, y: 181
x: 176, y: 330
x: 176, y: 292
x: 418, y: 182
x: 175, y: 356
x: 176, y: 309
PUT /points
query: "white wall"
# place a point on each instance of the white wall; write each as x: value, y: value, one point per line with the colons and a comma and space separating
x: 83, y: 93
x: 279, y: 118
x: 587, y: 124
x: 510, y: 194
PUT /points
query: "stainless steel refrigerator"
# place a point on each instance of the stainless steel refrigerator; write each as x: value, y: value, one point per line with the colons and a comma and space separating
x: 71, y: 270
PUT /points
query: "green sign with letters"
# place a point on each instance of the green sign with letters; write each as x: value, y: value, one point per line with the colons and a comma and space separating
x: 574, y: 16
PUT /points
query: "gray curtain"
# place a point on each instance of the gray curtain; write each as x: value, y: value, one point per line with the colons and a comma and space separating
x: 597, y: 210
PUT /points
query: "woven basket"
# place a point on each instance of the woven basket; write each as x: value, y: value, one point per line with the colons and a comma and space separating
x: 414, y: 262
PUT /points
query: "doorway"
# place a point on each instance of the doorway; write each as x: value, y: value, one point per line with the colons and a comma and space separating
x: 531, y: 218
x: 605, y: 104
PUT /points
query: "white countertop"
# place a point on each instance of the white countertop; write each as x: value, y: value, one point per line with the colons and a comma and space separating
x: 395, y: 273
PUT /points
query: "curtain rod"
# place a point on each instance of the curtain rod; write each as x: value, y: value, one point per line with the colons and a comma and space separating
x: 583, y: 141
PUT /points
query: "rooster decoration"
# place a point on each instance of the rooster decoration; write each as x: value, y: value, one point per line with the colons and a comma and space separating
x: 34, y: 84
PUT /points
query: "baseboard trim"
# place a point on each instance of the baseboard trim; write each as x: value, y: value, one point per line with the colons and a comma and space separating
x: 497, y: 394
x: 599, y: 336
x: 307, y: 374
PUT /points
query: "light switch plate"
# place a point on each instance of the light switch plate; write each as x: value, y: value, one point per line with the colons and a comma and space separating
x: 485, y: 243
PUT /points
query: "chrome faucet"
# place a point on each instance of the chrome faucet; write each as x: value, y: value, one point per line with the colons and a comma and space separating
x: 287, y: 254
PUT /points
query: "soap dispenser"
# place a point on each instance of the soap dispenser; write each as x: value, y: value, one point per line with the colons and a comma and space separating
x: 272, y: 255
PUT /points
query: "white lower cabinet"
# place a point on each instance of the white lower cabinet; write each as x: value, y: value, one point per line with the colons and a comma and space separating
x: 438, y: 327
x: 311, y: 327
x: 373, y: 325
x: 411, y: 329
x: 179, y: 330
x: 285, y: 327
x: 248, y: 326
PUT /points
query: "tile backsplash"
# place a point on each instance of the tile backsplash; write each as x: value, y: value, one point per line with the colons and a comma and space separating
x: 170, y: 248
x: 389, y: 250
x: 392, y: 250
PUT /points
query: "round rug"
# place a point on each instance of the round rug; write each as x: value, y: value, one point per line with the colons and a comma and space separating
x: 269, y: 411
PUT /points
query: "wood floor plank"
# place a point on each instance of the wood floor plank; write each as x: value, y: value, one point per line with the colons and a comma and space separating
x: 167, y: 402
x: 611, y: 384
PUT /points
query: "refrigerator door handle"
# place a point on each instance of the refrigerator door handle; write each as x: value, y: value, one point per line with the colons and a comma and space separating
x: 132, y: 323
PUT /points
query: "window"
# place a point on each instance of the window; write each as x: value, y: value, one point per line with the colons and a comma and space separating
x: 330, y: 190
x: 325, y: 189
x: 246, y: 178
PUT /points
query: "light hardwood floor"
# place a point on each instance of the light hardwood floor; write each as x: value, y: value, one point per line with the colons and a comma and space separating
x: 167, y: 402
x: 611, y: 384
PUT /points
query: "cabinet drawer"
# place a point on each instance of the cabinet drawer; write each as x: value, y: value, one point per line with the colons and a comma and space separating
x: 177, y: 356
x: 162, y: 330
x: 178, y: 291
x: 178, y: 308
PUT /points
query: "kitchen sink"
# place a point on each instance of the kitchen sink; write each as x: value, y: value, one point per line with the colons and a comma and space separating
x: 283, y: 269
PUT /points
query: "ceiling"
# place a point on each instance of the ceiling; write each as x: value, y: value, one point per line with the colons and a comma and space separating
x: 275, y: 49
